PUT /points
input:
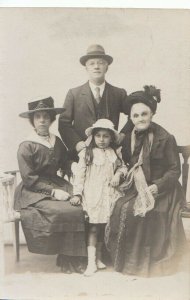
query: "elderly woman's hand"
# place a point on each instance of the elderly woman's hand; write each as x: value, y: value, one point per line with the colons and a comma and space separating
x: 60, y: 195
x: 153, y: 189
x: 75, y: 200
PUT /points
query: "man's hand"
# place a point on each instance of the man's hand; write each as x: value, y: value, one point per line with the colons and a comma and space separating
x: 60, y: 195
x: 115, y: 180
x: 80, y: 145
x: 120, y: 138
x: 153, y: 189
x: 75, y: 200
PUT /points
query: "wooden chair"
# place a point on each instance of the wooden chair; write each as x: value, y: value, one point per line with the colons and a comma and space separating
x: 9, y: 181
x: 184, y: 151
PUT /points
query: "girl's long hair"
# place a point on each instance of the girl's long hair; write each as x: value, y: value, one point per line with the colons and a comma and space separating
x: 92, y: 145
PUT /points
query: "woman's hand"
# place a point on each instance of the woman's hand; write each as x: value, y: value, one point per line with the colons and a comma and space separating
x: 61, y: 195
x: 75, y: 200
x: 153, y: 189
x: 115, y: 180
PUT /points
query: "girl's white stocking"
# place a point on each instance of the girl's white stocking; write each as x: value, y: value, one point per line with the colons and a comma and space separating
x: 91, y: 268
x: 99, y: 263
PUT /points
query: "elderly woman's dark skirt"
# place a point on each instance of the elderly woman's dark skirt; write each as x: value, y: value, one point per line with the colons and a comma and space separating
x: 153, y: 245
x: 54, y: 227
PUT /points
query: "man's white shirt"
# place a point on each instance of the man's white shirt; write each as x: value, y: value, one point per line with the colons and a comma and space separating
x: 93, y: 88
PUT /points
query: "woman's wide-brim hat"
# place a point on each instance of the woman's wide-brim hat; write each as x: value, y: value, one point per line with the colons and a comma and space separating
x: 150, y: 97
x: 96, y: 51
x: 46, y: 104
x: 102, y: 124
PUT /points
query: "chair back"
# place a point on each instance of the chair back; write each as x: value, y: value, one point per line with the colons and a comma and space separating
x: 7, y: 188
x: 184, y: 151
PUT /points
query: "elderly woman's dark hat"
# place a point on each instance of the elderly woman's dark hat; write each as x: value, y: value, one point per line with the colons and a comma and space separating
x: 46, y: 104
x: 150, y: 97
x: 95, y: 51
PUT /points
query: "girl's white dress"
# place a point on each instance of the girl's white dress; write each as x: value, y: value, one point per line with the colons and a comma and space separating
x: 93, y: 183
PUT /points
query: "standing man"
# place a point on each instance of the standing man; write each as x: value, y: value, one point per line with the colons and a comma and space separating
x: 91, y: 101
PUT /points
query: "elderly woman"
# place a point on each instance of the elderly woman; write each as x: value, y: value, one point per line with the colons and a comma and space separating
x: 50, y: 223
x: 145, y: 235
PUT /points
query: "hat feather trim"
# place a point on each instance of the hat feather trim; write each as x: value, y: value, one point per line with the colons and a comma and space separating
x: 152, y: 91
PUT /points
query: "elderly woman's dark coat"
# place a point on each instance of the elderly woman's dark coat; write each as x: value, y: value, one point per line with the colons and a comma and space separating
x: 150, y: 245
x: 50, y: 226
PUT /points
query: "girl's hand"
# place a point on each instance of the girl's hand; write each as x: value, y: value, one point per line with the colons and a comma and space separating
x: 75, y: 200
x: 153, y: 189
x: 115, y: 180
x: 60, y: 195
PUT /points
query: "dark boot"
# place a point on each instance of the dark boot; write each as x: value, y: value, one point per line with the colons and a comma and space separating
x: 78, y: 264
x: 63, y: 262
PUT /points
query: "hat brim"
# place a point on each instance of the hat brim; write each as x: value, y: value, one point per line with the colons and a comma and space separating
x: 89, y: 131
x: 137, y: 98
x: 55, y: 110
x: 84, y: 58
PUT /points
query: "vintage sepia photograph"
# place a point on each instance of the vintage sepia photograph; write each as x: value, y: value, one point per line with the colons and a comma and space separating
x: 94, y: 153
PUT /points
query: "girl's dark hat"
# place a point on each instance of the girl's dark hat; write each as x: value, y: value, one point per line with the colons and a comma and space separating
x: 96, y: 51
x: 150, y: 97
x: 46, y: 104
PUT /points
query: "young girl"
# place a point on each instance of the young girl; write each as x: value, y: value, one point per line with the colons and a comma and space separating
x: 97, y: 177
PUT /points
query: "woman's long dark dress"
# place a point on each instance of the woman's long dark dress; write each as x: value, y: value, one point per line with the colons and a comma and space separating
x: 50, y: 226
x: 150, y: 245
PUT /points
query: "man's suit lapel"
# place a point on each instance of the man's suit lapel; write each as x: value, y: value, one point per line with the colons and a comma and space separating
x: 86, y: 96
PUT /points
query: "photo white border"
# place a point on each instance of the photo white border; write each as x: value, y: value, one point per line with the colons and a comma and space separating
x: 165, y: 4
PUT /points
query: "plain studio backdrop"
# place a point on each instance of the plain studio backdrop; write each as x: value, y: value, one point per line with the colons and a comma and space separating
x: 39, y: 57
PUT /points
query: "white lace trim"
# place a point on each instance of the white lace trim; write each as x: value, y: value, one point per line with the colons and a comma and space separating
x: 101, y: 155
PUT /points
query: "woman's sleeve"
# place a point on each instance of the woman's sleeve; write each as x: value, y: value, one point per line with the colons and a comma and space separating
x: 122, y: 168
x: 28, y: 174
x: 171, y: 158
x: 80, y: 176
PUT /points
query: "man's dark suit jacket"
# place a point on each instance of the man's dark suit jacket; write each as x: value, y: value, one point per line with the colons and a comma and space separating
x: 80, y: 112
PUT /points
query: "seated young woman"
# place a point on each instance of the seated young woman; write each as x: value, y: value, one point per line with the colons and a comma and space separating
x: 50, y: 223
